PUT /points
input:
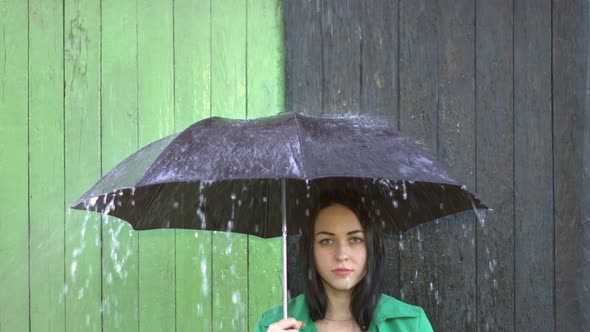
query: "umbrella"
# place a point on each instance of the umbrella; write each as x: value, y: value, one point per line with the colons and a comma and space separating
x: 245, y: 175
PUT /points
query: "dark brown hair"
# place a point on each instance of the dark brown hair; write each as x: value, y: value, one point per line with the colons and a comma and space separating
x: 366, y: 293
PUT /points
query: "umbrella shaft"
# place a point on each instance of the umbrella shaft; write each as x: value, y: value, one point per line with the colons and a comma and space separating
x: 284, y: 229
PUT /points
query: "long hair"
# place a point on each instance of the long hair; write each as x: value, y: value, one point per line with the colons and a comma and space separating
x: 366, y: 293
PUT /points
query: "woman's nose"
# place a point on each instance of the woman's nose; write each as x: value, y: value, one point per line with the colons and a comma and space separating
x: 342, y: 252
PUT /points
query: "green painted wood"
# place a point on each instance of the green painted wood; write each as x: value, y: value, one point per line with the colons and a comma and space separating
x: 192, y: 97
x: 14, y: 225
x: 494, y: 127
x: 265, y: 97
x: 82, y: 163
x: 119, y: 139
x: 533, y: 195
x: 265, y: 58
x: 228, y: 99
x: 46, y: 166
x: 228, y: 58
x: 155, y: 80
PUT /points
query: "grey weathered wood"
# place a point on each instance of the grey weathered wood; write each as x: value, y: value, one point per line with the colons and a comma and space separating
x: 418, y: 118
x: 341, y: 56
x: 418, y: 58
x: 570, y: 110
x: 479, y: 85
x: 533, y: 185
x: 456, y: 147
x: 379, y: 59
x: 495, y: 160
x: 303, y: 58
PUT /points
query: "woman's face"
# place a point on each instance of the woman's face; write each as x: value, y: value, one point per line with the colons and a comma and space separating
x: 339, y: 248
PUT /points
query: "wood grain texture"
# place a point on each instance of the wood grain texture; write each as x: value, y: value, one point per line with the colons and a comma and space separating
x: 82, y: 164
x: 14, y: 177
x: 303, y: 56
x: 341, y: 58
x: 192, y: 102
x: 155, y: 81
x: 228, y: 92
x: 265, y: 97
x: 570, y: 44
x: 379, y: 72
x: 46, y: 166
x: 495, y: 162
x: 455, y: 270
x: 533, y: 186
x: 119, y: 126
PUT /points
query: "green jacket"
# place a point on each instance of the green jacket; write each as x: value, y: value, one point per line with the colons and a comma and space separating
x: 389, y: 315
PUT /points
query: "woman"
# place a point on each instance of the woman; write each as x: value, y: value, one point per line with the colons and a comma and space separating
x: 343, y: 254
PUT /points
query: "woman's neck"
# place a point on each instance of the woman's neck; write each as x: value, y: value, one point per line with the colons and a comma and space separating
x: 338, y: 305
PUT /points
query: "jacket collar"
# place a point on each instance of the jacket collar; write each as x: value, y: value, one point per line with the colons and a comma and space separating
x: 390, y: 308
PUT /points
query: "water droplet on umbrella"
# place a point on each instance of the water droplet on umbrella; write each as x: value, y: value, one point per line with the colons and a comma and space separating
x: 233, y: 196
x: 395, y: 204
x: 441, y: 206
x: 307, y: 212
x: 463, y: 187
x: 264, y: 199
x: 175, y: 204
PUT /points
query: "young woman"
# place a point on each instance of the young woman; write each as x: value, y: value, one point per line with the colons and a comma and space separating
x: 343, y: 253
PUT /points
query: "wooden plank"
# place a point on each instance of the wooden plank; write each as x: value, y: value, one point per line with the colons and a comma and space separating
x: 228, y: 58
x: 341, y: 61
x: 229, y: 283
x: 418, y: 59
x: 192, y: 98
x: 14, y: 150
x: 453, y: 278
x: 82, y: 163
x: 495, y: 162
x: 533, y: 186
x: 155, y: 79
x: 119, y: 139
x: 46, y: 152
x: 418, y: 97
x: 570, y: 37
x: 379, y: 91
x: 303, y: 55
x: 265, y: 58
x: 265, y: 97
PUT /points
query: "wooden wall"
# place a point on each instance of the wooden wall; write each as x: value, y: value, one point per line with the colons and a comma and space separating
x: 83, y: 85
x: 499, y: 91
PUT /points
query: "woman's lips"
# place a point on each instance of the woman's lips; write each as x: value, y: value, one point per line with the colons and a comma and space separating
x: 342, y: 272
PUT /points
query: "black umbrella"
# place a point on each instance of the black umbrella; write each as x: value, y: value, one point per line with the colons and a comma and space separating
x: 245, y: 175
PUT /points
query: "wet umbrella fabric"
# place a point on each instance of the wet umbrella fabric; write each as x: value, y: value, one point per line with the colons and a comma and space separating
x: 245, y: 176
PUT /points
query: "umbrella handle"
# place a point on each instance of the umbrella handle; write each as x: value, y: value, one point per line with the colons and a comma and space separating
x: 284, y: 230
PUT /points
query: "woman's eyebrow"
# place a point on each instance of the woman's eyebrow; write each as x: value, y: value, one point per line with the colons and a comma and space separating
x: 332, y: 234
x: 325, y: 233
x: 355, y: 231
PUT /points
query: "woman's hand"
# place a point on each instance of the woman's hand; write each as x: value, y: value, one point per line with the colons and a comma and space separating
x: 289, y: 324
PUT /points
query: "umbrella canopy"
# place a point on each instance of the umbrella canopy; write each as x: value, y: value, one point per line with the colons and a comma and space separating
x: 223, y: 174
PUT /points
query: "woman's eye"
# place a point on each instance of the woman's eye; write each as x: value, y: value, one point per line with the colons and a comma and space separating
x: 356, y: 240
x: 326, y: 241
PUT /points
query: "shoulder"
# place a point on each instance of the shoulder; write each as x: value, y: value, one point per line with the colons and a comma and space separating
x: 296, y: 309
x: 391, y: 311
